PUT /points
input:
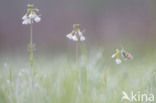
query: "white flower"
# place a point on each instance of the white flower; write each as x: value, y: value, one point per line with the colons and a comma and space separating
x: 118, y: 61
x: 32, y: 15
x: 26, y: 21
x: 24, y: 17
x: 75, y: 38
x: 76, y: 34
x: 82, y: 38
x: 113, y: 56
x: 80, y: 33
x: 70, y: 36
x: 37, y: 19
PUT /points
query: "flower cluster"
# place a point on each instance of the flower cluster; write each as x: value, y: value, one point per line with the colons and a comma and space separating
x: 121, y: 53
x: 31, y: 15
x: 76, y: 34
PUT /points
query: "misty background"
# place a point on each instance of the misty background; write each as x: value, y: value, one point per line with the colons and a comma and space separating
x: 107, y: 23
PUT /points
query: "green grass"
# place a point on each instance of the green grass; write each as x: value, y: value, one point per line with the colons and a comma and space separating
x: 61, y: 80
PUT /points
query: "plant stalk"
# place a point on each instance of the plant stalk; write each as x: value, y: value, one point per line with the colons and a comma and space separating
x: 31, y: 46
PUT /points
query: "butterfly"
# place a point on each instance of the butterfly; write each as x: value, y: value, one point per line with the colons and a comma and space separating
x: 126, y: 55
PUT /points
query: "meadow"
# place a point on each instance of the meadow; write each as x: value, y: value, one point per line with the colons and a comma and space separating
x: 89, y: 79
x: 46, y: 58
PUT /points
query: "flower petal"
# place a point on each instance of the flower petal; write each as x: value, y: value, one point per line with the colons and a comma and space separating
x: 82, y: 38
x: 75, y: 38
x: 32, y: 15
x: 37, y: 19
x: 69, y: 36
x: 24, y: 17
x: 113, y: 56
x: 118, y: 61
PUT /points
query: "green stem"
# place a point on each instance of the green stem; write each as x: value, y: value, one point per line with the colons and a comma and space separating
x: 31, y: 32
x: 32, y: 55
x: 31, y: 45
x: 77, y: 51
